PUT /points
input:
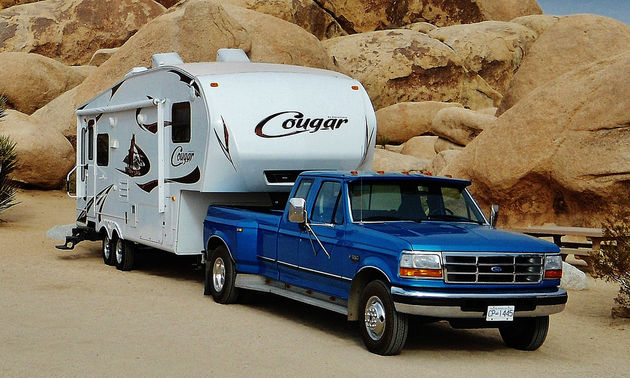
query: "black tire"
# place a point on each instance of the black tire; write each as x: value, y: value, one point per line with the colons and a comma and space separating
x: 124, y: 253
x: 107, y: 250
x: 526, y: 333
x: 383, y: 329
x: 221, y: 277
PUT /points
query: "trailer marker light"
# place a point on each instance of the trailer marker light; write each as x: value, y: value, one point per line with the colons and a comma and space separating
x: 355, y: 87
x: 214, y: 85
x: 239, y: 230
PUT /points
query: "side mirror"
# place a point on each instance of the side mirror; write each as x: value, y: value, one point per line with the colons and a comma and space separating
x: 297, y: 210
x: 494, y: 215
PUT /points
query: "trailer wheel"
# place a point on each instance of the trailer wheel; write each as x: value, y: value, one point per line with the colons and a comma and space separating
x: 221, y: 277
x: 108, y: 250
x: 383, y: 329
x: 124, y: 254
x: 526, y: 333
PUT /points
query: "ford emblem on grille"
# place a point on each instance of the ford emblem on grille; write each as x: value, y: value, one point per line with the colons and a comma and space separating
x: 497, y: 269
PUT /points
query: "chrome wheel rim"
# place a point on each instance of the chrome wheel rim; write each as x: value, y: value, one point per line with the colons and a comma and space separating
x: 375, y: 318
x: 218, y: 274
x: 107, y: 250
x: 119, y: 251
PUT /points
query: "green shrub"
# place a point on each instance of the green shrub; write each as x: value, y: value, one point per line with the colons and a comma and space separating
x: 8, y: 164
x: 612, y: 262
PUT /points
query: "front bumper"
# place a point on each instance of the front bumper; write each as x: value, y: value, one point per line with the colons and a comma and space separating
x: 446, y: 305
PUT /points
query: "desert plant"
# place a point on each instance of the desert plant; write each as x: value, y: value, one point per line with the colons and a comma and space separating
x: 612, y: 261
x: 8, y: 163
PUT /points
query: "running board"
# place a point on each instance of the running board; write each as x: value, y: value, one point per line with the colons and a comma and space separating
x: 260, y: 283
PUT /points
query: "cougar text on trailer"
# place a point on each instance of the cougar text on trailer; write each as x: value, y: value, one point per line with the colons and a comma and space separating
x: 161, y: 145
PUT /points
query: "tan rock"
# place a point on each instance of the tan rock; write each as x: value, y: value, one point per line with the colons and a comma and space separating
x: 101, y: 56
x: 307, y: 14
x: 389, y: 161
x: 44, y: 155
x: 441, y: 161
x: 11, y: 3
x: 422, y: 27
x: 422, y: 147
x: 493, y: 49
x: 400, y: 122
x: 360, y: 16
x: 59, y: 114
x: 459, y: 125
x: 442, y: 145
x: 406, y: 66
x: 539, y: 23
x: 70, y: 31
x: 30, y: 81
x: 507, y: 10
x: 569, y: 43
x: 561, y: 154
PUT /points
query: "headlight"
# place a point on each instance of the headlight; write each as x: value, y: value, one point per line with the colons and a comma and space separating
x: 420, y: 265
x: 553, y: 267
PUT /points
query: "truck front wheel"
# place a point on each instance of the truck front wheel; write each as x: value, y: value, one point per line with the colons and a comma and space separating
x: 383, y: 329
x: 526, y: 333
x: 221, y: 277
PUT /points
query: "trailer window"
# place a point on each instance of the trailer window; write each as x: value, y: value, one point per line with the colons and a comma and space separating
x: 102, y: 150
x: 181, y: 122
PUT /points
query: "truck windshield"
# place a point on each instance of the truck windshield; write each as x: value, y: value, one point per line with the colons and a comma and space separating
x: 406, y: 200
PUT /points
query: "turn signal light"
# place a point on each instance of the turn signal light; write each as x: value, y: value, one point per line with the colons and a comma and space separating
x: 553, y: 274
x: 411, y: 272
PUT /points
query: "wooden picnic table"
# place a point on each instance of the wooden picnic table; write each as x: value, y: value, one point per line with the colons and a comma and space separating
x: 592, y: 237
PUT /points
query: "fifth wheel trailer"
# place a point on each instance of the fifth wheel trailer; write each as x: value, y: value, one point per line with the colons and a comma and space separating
x: 161, y: 145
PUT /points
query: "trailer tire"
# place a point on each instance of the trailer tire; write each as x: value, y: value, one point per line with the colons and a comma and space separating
x: 526, y: 333
x: 107, y: 250
x: 383, y: 329
x: 221, y: 277
x: 124, y: 254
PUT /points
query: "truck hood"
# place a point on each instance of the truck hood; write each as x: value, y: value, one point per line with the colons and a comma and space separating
x: 461, y: 237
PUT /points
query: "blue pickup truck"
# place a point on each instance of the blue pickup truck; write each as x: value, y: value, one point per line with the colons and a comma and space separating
x: 380, y: 247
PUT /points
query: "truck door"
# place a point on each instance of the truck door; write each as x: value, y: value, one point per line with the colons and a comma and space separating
x: 326, y: 267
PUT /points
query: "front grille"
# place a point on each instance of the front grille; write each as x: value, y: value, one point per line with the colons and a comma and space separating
x: 493, y: 268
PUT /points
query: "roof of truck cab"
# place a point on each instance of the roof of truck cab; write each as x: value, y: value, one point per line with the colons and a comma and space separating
x: 228, y: 68
x: 353, y: 175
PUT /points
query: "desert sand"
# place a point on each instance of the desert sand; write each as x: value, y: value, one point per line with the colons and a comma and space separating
x: 66, y: 314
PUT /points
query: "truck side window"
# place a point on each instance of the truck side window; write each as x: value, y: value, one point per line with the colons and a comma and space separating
x: 102, y: 150
x: 303, y: 188
x: 327, y: 204
x: 181, y: 122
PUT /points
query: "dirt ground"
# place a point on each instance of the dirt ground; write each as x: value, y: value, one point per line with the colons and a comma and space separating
x: 66, y: 314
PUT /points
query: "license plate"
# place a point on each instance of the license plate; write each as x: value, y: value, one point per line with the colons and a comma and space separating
x: 500, y: 314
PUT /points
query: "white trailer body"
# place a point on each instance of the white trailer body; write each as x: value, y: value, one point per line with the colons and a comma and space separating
x: 157, y: 148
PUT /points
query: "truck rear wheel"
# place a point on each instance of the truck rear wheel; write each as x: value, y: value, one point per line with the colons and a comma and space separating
x: 221, y: 277
x: 383, y: 329
x: 124, y: 254
x: 108, y: 250
x: 526, y: 333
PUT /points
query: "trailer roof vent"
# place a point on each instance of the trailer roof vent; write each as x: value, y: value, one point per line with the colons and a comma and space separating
x: 166, y: 59
x: 232, y: 56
